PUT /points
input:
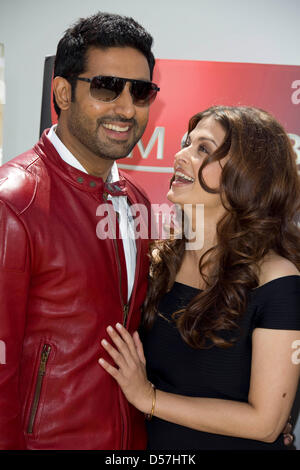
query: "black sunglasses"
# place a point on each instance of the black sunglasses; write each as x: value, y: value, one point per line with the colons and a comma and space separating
x: 108, y: 89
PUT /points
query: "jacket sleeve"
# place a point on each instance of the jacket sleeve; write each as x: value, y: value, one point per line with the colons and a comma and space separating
x: 14, y: 283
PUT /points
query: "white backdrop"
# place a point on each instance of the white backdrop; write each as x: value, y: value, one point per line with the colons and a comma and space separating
x: 232, y: 30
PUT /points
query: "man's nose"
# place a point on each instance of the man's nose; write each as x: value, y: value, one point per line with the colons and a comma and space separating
x: 124, y: 103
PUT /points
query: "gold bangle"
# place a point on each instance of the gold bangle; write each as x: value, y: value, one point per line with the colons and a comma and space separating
x: 149, y: 415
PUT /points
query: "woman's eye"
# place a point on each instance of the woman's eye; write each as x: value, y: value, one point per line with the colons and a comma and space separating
x: 203, y: 149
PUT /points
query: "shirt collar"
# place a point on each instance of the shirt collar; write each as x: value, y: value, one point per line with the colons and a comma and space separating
x: 69, y: 158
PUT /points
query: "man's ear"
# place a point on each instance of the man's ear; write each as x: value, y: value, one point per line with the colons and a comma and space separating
x: 63, y: 92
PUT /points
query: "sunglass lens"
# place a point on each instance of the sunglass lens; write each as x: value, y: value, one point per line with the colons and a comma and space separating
x: 106, y: 88
x: 143, y: 93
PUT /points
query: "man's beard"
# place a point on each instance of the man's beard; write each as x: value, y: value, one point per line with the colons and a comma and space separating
x: 110, y: 150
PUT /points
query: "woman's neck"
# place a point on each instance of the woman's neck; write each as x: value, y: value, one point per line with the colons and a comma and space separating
x: 189, y: 271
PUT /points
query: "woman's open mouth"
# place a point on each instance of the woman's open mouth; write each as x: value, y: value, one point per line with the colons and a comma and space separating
x: 181, y: 178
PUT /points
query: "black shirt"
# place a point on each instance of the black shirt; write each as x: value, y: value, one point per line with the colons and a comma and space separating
x: 175, y: 367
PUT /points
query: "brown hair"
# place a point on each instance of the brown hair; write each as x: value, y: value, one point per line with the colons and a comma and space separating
x: 260, y: 191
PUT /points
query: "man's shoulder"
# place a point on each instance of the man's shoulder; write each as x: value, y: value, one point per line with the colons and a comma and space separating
x: 18, y: 182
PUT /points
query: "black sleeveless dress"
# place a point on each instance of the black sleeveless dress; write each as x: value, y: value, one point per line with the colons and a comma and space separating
x: 175, y: 367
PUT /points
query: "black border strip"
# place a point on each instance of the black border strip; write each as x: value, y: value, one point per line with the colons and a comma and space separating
x: 46, y: 120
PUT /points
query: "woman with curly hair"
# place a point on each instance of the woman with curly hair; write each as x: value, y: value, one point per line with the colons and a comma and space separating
x: 219, y: 365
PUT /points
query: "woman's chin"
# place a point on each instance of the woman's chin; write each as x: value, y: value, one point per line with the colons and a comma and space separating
x: 176, y: 198
x: 170, y: 195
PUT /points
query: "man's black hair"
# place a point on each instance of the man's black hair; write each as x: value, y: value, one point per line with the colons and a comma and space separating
x: 100, y: 30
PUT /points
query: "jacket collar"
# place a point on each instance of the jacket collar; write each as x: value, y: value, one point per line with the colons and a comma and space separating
x: 46, y: 150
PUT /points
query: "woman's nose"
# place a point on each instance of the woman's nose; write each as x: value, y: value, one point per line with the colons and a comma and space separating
x: 182, y: 155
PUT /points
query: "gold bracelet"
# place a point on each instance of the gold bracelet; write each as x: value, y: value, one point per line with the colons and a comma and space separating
x: 149, y: 415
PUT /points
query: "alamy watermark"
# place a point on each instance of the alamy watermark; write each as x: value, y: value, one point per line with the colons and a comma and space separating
x: 161, y: 221
x: 295, y: 357
x: 295, y: 97
x: 296, y: 354
x: 2, y: 352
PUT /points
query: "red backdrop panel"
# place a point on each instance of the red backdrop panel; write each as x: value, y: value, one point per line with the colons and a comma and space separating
x: 188, y: 87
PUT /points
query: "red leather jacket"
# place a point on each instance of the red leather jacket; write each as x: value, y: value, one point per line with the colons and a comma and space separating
x: 61, y: 286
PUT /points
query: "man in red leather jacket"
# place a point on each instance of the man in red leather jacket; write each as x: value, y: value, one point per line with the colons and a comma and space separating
x: 62, y: 283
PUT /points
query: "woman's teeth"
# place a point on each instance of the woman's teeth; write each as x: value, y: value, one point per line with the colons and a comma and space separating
x: 181, y: 176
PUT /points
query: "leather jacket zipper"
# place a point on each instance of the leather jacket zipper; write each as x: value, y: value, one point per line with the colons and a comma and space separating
x: 125, y: 306
x: 125, y: 311
x: 38, y: 387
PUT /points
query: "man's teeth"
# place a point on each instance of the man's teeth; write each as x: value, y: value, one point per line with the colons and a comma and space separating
x: 113, y: 127
x: 178, y: 174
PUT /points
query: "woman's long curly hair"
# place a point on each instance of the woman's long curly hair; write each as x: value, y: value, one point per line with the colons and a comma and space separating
x: 260, y: 191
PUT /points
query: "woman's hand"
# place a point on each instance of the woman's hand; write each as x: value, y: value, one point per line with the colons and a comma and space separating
x: 287, y: 433
x: 131, y: 371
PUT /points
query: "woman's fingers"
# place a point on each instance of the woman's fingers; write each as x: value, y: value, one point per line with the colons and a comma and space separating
x: 110, y: 369
x: 120, y: 344
x: 131, y: 375
x: 124, y: 342
x: 126, y: 336
x: 116, y: 356
x: 139, y: 347
x: 288, y: 427
x: 288, y: 439
x: 287, y: 433
x: 126, y: 353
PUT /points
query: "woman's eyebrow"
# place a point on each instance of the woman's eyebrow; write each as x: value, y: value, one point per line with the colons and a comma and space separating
x: 204, y: 138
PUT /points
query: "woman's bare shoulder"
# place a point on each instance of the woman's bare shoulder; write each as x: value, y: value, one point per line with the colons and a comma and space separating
x: 274, y: 266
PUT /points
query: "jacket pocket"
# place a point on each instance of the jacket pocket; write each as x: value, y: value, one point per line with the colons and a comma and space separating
x: 38, y: 386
